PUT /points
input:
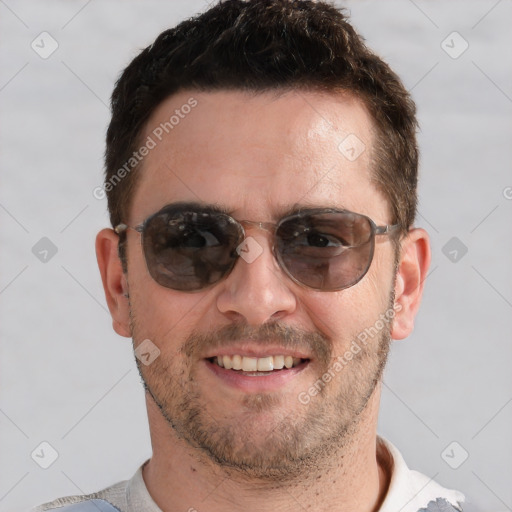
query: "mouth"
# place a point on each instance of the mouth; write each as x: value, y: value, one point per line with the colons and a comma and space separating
x: 257, y: 366
x: 254, y: 371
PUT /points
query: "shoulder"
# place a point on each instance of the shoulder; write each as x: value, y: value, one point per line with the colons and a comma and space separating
x: 83, y: 505
x: 111, y: 499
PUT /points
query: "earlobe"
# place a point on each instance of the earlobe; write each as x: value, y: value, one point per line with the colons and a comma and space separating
x: 412, y: 271
x: 114, y: 280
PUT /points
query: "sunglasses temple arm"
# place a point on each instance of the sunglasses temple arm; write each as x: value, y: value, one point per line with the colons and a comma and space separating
x: 386, y: 230
x: 120, y: 228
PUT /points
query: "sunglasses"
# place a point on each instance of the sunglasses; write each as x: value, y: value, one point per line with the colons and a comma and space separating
x: 191, y: 247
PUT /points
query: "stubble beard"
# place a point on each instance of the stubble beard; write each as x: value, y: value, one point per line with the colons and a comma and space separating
x: 294, y: 442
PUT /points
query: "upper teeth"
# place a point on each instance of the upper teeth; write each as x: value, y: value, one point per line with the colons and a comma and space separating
x: 257, y: 364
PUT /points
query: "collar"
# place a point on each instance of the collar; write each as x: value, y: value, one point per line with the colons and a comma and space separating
x: 409, y: 490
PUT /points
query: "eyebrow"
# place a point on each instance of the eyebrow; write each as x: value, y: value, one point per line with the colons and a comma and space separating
x: 283, y: 211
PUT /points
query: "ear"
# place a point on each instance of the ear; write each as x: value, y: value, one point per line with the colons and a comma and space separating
x: 412, y: 271
x: 114, y: 280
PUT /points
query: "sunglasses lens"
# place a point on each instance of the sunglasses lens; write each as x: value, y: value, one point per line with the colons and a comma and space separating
x: 190, y: 251
x: 326, y: 251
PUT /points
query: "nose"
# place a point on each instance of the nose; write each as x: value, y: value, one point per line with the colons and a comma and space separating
x: 256, y: 290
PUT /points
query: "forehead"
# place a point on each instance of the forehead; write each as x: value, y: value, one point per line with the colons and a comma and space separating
x: 256, y: 154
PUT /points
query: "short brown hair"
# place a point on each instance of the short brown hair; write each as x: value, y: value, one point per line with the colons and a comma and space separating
x: 261, y: 45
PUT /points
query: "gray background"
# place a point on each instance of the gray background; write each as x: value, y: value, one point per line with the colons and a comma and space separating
x: 66, y: 378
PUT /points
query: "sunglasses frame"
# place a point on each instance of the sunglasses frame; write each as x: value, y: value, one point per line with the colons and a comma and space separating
x: 387, y: 229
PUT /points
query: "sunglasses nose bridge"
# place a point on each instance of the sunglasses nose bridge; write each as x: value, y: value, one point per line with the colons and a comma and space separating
x: 265, y: 226
x: 269, y: 227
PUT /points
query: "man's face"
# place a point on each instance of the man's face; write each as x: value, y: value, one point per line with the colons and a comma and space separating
x: 257, y: 156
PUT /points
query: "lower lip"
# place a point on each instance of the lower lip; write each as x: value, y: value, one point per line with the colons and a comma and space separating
x: 273, y: 381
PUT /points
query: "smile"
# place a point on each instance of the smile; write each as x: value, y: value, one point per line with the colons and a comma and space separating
x: 256, y: 364
x: 251, y: 368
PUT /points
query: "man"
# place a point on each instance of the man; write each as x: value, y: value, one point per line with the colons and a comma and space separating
x: 261, y: 172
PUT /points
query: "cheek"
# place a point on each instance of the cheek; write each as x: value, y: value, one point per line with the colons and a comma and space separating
x: 345, y: 314
x: 164, y: 316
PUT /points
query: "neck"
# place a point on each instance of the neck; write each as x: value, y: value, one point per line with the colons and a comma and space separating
x: 351, y: 478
